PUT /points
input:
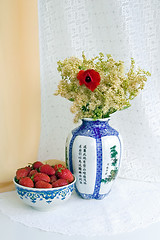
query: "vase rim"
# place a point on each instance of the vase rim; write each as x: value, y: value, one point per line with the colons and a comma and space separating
x: 99, y: 119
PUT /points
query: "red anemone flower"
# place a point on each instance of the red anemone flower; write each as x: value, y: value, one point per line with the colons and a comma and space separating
x: 90, y: 78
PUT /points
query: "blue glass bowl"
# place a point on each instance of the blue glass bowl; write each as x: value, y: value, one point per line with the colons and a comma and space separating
x: 44, y: 199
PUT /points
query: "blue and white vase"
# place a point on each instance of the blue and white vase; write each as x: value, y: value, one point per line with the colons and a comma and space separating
x: 93, y: 153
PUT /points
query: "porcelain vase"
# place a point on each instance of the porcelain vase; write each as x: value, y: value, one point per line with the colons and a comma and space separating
x: 93, y: 154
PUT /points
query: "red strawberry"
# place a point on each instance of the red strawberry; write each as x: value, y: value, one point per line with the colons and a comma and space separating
x: 46, y: 168
x: 43, y: 184
x: 37, y: 164
x: 57, y: 166
x: 59, y: 183
x: 41, y: 177
x: 65, y: 174
x: 53, y: 178
x: 27, y: 182
x: 28, y: 169
x: 21, y: 172
x: 33, y: 172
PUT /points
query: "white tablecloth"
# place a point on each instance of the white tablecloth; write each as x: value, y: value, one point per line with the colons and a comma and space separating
x: 129, y: 206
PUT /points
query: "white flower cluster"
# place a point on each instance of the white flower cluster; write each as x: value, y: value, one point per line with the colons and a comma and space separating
x: 114, y: 92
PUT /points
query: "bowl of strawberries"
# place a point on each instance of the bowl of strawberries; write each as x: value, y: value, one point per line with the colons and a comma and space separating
x: 43, y: 185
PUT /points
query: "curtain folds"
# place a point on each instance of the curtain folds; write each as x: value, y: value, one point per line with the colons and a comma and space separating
x: 19, y: 87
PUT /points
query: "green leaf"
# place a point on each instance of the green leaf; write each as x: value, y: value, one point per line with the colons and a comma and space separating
x: 111, y: 110
x: 85, y: 108
x: 32, y: 177
x: 126, y: 107
x: 71, y: 99
x: 16, y: 180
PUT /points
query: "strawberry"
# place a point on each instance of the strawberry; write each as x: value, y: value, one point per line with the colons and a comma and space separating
x: 57, y: 166
x: 43, y: 184
x: 59, y: 183
x: 21, y: 172
x: 53, y: 178
x: 46, y: 168
x: 27, y: 182
x: 37, y: 164
x: 28, y: 169
x: 65, y: 174
x: 33, y: 172
x: 41, y: 177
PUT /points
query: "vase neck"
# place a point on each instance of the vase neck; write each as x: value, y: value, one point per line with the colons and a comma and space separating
x: 95, y: 123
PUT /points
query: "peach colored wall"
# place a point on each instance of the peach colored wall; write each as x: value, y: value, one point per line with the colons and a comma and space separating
x: 19, y: 87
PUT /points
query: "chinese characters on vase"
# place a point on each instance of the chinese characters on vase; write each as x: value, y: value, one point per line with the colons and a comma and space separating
x: 82, y: 164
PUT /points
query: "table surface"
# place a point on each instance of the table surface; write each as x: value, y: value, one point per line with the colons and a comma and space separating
x: 14, y: 230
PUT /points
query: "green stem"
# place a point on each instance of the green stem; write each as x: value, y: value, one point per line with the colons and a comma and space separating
x: 100, y: 93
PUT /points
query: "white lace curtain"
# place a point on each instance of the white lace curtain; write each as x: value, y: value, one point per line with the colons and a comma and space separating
x: 124, y: 29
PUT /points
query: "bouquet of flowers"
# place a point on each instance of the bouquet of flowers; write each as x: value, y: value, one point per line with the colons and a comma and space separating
x: 99, y: 86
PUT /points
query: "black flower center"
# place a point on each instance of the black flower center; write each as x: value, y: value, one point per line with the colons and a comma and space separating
x: 88, y: 79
